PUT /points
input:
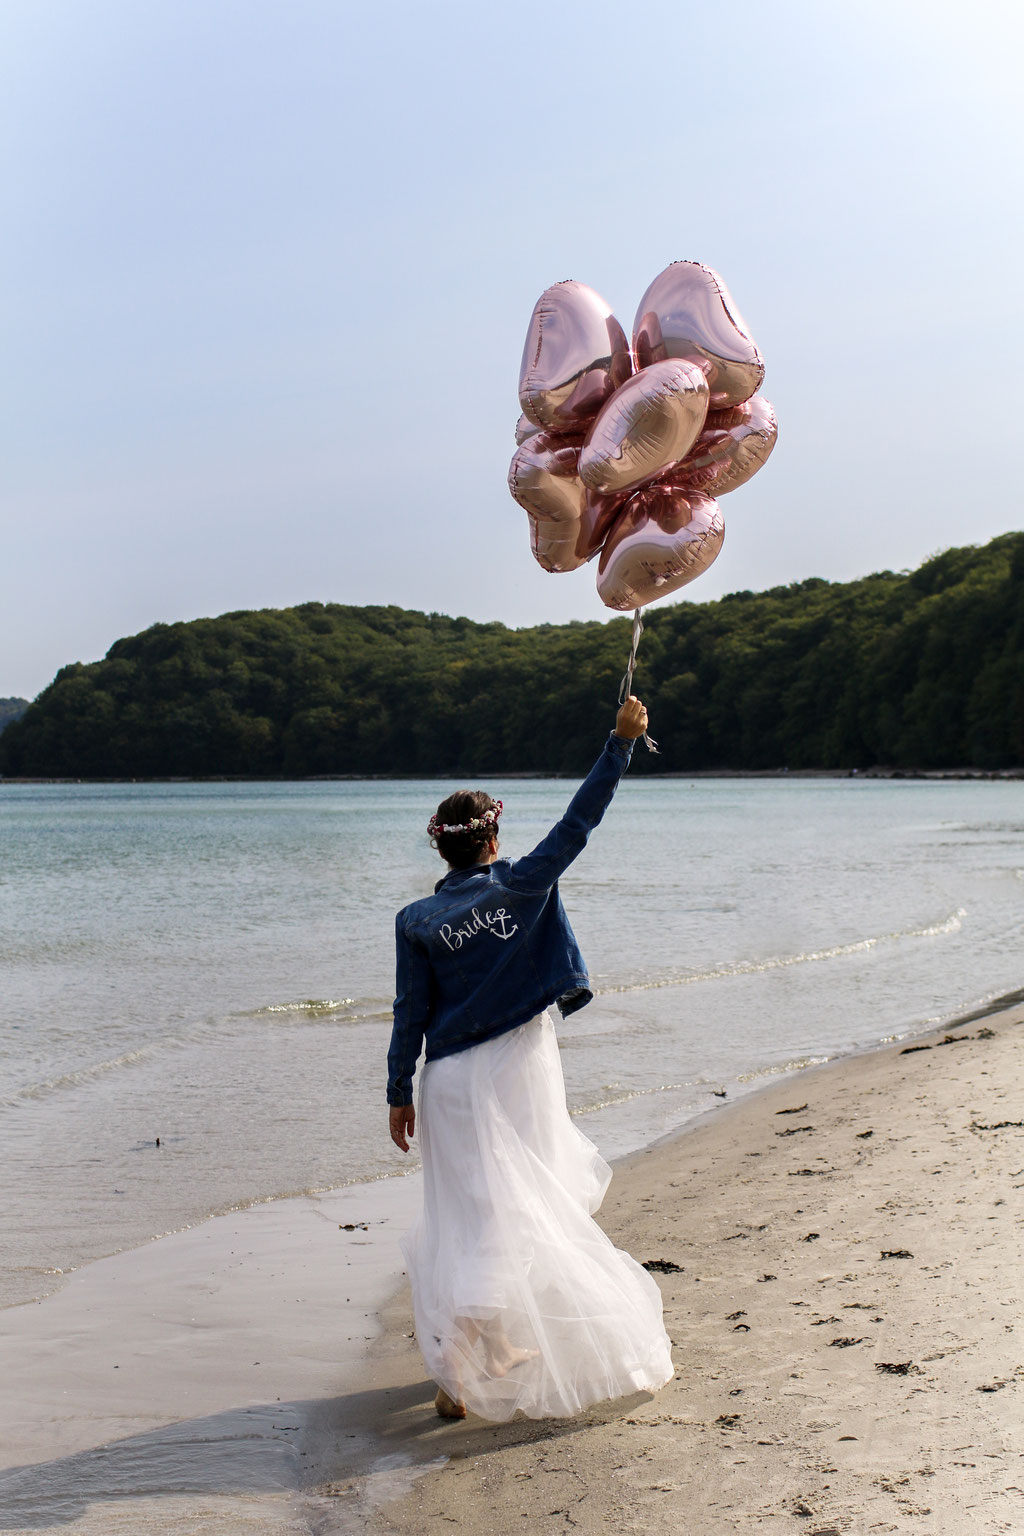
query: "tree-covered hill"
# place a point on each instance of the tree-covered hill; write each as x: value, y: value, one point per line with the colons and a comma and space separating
x: 922, y: 669
x: 11, y: 710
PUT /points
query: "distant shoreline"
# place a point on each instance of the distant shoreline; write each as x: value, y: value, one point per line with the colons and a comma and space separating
x: 932, y: 775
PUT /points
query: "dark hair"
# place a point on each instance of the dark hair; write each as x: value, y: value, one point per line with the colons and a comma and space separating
x: 463, y: 849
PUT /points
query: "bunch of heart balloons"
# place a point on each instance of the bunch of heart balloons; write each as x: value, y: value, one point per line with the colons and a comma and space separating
x: 623, y: 451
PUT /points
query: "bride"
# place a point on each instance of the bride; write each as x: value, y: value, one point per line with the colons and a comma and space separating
x: 522, y: 1303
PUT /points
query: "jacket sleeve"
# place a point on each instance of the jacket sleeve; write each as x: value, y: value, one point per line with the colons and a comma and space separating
x: 539, y: 870
x: 413, y: 996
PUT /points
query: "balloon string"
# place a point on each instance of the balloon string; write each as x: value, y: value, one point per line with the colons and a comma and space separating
x: 626, y: 686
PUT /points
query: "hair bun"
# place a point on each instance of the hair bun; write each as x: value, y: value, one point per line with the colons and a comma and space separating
x: 480, y: 825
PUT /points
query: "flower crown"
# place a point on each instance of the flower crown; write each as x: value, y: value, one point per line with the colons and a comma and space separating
x: 489, y: 819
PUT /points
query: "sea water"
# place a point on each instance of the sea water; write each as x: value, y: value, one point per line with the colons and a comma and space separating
x: 196, y: 979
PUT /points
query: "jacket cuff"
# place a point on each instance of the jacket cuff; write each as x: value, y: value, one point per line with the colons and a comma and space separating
x: 624, y: 744
x: 399, y: 1097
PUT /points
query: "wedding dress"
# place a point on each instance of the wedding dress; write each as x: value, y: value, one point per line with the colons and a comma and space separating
x: 522, y: 1303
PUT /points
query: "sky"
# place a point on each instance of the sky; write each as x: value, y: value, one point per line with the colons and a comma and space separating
x: 268, y: 267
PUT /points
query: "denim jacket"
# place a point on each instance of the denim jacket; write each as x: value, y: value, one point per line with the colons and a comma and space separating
x: 493, y: 947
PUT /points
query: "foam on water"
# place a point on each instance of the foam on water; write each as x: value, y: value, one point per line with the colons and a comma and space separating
x: 950, y: 924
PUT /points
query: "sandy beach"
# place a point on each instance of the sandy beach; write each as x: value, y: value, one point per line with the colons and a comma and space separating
x: 845, y: 1315
x: 841, y: 1260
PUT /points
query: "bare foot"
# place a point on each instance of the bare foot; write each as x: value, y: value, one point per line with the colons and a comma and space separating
x: 507, y: 1358
x: 449, y: 1407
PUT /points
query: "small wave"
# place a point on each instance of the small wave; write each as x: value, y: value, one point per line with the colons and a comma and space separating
x: 304, y: 1191
x: 311, y: 1005
x: 796, y: 1065
x: 222, y: 1028
x: 341, y: 1010
x: 90, y: 1073
x: 1011, y: 828
x: 951, y: 924
x: 627, y: 1095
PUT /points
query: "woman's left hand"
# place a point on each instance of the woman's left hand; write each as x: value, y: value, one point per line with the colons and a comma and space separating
x: 402, y: 1118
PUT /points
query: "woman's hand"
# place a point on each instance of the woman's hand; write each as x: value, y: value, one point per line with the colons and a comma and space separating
x: 631, y: 720
x: 402, y: 1119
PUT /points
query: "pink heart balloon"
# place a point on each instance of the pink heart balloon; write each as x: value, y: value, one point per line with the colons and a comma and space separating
x: 688, y: 312
x: 662, y: 539
x: 568, y: 523
x: 650, y: 423
x: 730, y: 450
x: 526, y: 428
x: 576, y: 355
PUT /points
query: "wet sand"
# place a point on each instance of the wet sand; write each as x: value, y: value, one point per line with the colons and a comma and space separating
x: 842, y: 1264
x: 846, y: 1315
x: 172, y: 1388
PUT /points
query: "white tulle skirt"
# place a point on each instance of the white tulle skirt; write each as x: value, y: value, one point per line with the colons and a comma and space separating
x: 522, y: 1303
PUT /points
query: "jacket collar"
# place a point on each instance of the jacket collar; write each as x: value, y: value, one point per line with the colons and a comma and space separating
x: 456, y: 876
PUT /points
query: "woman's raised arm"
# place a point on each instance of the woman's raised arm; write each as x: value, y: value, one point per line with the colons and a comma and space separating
x: 539, y: 870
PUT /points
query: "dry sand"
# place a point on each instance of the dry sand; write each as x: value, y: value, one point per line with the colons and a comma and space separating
x: 846, y: 1318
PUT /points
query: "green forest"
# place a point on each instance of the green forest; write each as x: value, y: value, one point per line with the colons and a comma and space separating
x: 920, y: 669
x: 11, y: 709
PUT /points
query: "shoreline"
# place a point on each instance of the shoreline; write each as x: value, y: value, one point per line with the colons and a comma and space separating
x: 285, y: 1378
x: 924, y: 775
x: 742, y: 1087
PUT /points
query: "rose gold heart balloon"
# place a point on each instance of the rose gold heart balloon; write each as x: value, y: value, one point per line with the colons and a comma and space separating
x: 650, y: 422
x: 576, y: 355
x: 568, y: 523
x: 732, y: 447
x: 688, y: 312
x: 662, y: 539
x: 526, y: 428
